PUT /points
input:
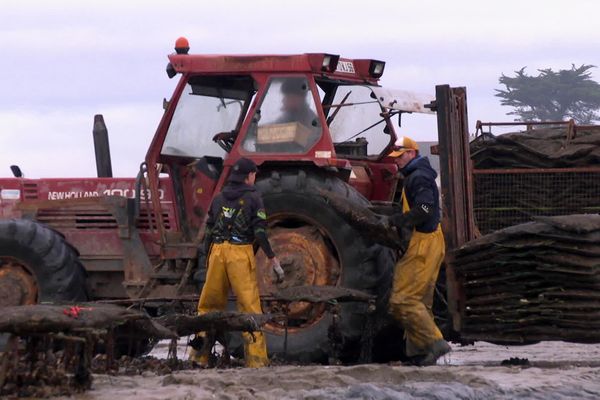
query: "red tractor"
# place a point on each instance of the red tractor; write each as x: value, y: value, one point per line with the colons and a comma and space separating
x: 311, y: 122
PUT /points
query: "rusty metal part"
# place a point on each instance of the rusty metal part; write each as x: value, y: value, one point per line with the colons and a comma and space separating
x: 455, y: 166
x: 307, y: 260
x: 479, y: 124
x: 25, y: 320
x: 17, y: 284
x: 142, y: 300
x: 185, y: 325
x: 535, y: 170
x: 330, y: 296
x: 458, y: 222
x: 318, y: 294
x: 313, y: 294
x: 571, y: 126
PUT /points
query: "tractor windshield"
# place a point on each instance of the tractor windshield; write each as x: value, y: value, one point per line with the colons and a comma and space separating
x: 287, y: 120
x: 355, y: 116
x: 207, y: 106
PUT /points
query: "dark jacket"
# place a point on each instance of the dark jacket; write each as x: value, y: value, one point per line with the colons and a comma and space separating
x: 237, y: 215
x: 422, y: 193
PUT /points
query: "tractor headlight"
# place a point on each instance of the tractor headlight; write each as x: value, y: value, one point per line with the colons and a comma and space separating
x: 330, y: 62
x: 376, y: 68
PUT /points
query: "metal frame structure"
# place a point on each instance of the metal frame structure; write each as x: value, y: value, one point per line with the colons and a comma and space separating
x: 549, y: 180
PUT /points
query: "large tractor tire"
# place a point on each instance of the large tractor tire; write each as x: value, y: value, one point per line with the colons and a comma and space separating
x: 37, y: 265
x: 316, y: 246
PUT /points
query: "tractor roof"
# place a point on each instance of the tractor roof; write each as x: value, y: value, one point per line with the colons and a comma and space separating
x: 323, y: 64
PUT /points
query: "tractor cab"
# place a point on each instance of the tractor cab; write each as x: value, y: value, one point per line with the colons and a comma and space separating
x: 316, y: 110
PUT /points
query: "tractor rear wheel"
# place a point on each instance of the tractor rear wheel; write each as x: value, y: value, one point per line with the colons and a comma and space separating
x: 37, y: 265
x: 316, y: 246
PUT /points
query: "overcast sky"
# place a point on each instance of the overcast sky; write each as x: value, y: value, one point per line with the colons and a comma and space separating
x: 64, y: 61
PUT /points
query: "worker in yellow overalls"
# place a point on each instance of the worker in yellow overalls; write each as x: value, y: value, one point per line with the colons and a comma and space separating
x: 236, y: 219
x: 416, y: 273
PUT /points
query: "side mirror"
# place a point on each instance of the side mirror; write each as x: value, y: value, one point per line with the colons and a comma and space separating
x: 171, y: 71
x: 17, y: 173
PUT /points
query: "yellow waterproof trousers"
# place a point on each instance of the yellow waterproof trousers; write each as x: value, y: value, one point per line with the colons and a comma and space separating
x: 415, y: 276
x: 234, y: 265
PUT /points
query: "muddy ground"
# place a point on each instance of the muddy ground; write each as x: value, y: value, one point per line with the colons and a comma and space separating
x: 555, y: 371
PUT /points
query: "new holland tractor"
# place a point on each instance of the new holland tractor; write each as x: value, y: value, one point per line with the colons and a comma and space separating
x: 311, y: 122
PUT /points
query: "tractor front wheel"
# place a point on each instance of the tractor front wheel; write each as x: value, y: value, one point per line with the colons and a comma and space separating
x: 37, y: 265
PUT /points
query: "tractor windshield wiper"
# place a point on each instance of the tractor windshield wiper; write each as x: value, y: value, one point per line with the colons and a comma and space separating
x: 338, y: 107
x: 364, y: 130
x: 391, y: 114
x: 224, y: 104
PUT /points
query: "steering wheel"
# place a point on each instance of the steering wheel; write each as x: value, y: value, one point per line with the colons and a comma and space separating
x: 225, y: 140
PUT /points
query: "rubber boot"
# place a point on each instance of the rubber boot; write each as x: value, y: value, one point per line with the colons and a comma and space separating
x: 202, y: 360
x: 198, y: 352
x: 436, y: 350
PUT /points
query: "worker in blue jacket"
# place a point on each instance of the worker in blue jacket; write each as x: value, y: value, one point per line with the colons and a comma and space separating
x: 416, y: 273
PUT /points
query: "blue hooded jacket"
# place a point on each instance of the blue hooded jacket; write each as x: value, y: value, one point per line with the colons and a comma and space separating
x: 421, y: 190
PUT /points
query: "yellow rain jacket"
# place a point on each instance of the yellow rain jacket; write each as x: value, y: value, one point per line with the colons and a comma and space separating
x: 416, y: 273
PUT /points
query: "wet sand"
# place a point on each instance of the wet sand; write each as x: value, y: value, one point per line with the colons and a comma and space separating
x: 556, y: 370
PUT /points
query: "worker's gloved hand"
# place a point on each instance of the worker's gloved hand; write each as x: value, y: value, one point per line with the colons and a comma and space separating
x: 279, y: 274
x: 417, y: 215
x: 400, y: 220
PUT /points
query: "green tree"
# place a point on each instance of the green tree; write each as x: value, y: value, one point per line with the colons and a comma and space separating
x: 552, y: 96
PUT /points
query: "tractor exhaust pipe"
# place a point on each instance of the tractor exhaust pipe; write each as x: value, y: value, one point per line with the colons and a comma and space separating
x: 101, y: 147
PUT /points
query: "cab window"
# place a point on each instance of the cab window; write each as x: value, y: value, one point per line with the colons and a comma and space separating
x: 207, y: 107
x: 287, y: 120
x: 355, y: 118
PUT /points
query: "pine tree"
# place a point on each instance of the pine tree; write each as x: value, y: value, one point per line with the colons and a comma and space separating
x: 552, y: 96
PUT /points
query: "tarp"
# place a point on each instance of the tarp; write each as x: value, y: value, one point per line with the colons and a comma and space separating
x: 538, y: 148
x: 534, y: 281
